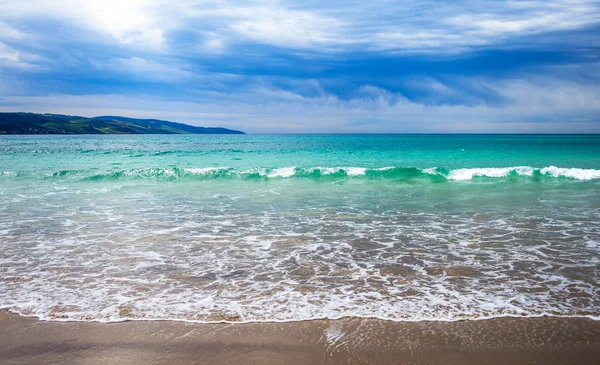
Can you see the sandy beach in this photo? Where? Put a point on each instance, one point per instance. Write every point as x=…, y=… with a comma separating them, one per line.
x=345, y=341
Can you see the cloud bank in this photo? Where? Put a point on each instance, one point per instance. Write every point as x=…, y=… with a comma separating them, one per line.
x=281, y=66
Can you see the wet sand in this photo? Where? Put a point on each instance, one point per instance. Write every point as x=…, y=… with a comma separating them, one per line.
x=346, y=341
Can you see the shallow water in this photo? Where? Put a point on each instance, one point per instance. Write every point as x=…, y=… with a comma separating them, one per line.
x=263, y=228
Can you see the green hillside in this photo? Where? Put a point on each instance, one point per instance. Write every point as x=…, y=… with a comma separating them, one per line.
x=31, y=123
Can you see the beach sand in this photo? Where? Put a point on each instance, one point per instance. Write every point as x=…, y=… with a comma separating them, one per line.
x=345, y=341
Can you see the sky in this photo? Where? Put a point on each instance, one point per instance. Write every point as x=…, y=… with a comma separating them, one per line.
x=309, y=66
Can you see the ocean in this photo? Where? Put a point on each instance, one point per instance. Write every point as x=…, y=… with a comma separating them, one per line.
x=244, y=228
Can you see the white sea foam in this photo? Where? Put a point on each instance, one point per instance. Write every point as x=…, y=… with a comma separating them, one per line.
x=270, y=251
x=460, y=174
x=275, y=266
x=328, y=170
x=468, y=174
x=574, y=173
x=283, y=172
x=355, y=171
x=204, y=170
x=431, y=171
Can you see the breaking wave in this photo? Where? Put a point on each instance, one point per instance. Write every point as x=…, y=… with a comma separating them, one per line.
x=433, y=174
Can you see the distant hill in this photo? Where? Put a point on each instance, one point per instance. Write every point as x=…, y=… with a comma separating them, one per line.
x=31, y=123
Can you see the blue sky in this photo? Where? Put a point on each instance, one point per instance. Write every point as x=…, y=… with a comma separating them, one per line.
x=309, y=67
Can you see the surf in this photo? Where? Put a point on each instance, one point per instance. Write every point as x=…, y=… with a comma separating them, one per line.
x=430, y=174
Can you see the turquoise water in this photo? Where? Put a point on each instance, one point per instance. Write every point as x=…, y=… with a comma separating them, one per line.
x=292, y=227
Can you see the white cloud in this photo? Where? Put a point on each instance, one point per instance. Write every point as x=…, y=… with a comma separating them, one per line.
x=9, y=33
x=212, y=44
x=528, y=18
x=129, y=22
x=283, y=27
x=13, y=58
x=8, y=54
x=407, y=26
x=147, y=69
x=464, y=26
x=536, y=104
x=138, y=39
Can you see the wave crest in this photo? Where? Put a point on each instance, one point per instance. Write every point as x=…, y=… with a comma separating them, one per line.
x=433, y=174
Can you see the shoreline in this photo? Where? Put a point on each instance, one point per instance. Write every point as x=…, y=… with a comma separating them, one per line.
x=275, y=321
x=547, y=340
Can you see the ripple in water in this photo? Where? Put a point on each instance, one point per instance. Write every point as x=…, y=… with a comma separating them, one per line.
x=224, y=259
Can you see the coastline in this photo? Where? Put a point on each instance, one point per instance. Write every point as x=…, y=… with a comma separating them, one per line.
x=552, y=340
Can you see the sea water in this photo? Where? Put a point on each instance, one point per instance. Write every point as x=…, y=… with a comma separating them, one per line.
x=295, y=227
